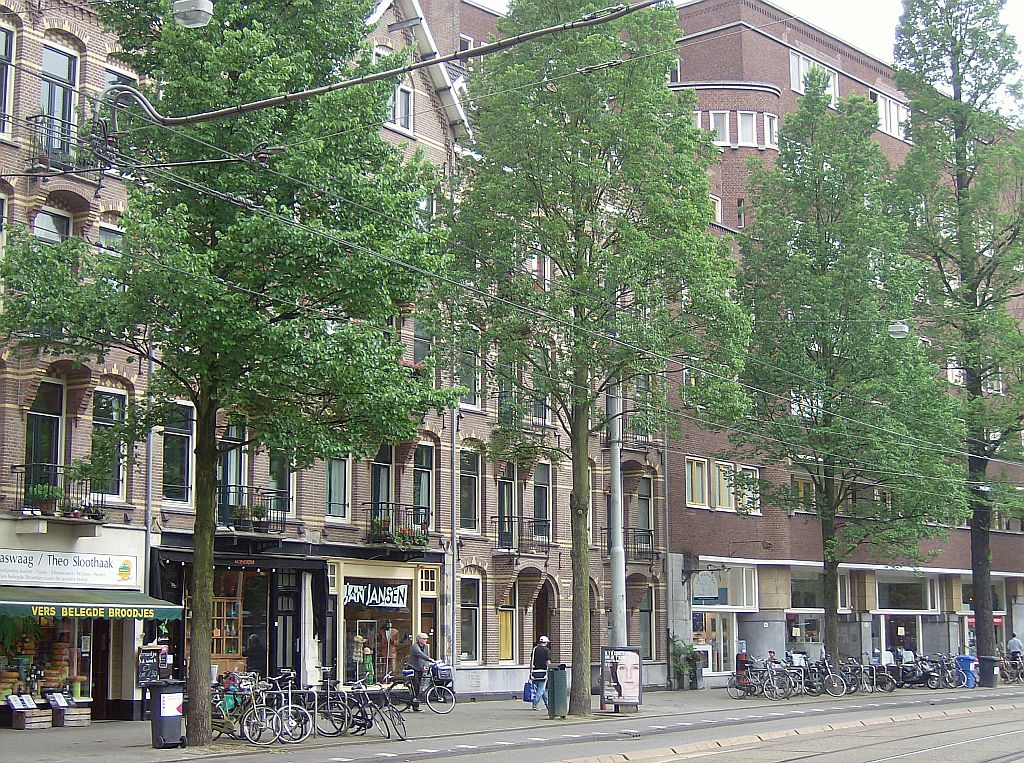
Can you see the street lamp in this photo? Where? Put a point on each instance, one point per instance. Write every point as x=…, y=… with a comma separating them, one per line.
x=899, y=330
x=192, y=14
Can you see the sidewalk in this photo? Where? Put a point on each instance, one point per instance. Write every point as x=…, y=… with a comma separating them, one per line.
x=129, y=741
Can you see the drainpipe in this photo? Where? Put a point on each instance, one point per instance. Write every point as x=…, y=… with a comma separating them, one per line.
x=665, y=535
x=452, y=544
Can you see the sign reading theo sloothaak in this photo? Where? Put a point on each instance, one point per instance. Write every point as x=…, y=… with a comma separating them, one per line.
x=68, y=570
x=385, y=595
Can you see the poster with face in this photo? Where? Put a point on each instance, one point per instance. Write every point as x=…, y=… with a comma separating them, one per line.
x=621, y=675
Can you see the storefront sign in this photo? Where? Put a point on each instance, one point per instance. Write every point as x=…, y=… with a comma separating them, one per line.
x=997, y=620
x=384, y=595
x=54, y=568
x=705, y=585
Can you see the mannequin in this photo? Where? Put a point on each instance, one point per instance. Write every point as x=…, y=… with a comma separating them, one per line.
x=387, y=647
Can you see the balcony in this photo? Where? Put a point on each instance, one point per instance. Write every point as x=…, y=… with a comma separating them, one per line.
x=252, y=509
x=54, y=143
x=52, y=492
x=398, y=525
x=637, y=542
x=525, y=535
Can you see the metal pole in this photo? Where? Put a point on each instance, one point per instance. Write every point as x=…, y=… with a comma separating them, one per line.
x=616, y=552
x=149, y=474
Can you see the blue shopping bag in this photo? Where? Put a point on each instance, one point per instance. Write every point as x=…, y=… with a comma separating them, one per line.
x=529, y=692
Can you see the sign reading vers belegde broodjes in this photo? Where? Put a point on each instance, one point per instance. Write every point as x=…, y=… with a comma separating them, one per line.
x=64, y=570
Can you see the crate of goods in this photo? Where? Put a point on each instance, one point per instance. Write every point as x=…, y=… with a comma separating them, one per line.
x=25, y=720
x=72, y=716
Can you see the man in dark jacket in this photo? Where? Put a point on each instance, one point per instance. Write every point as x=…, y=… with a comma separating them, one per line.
x=539, y=671
x=419, y=660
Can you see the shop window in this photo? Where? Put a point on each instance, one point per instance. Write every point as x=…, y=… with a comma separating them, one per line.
x=542, y=500
x=507, y=627
x=697, y=482
x=108, y=409
x=469, y=490
x=713, y=636
x=177, y=463
x=423, y=482
x=338, y=485
x=469, y=619
x=379, y=627
x=279, y=482
x=732, y=587
x=806, y=591
x=998, y=596
x=904, y=594
x=647, y=625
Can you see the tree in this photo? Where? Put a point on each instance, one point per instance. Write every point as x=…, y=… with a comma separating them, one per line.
x=583, y=226
x=263, y=301
x=863, y=417
x=963, y=182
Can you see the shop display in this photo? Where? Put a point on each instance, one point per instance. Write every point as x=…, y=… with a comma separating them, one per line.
x=43, y=658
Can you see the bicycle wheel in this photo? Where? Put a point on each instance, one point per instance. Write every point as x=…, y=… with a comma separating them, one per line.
x=772, y=690
x=400, y=695
x=397, y=721
x=218, y=722
x=295, y=724
x=886, y=683
x=332, y=717
x=734, y=688
x=441, y=699
x=834, y=685
x=260, y=726
x=379, y=722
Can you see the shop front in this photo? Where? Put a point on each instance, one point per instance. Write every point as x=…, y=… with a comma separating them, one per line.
x=968, y=637
x=375, y=611
x=268, y=610
x=906, y=604
x=719, y=593
x=72, y=621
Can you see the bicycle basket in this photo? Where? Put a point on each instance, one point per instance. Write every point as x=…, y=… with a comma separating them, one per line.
x=442, y=674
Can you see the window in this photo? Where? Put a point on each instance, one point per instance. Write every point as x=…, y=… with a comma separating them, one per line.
x=697, y=482
x=748, y=493
x=641, y=404
x=44, y=433
x=804, y=405
x=803, y=492
x=469, y=490
x=912, y=594
x=647, y=625
x=507, y=626
x=716, y=207
x=423, y=482
x=771, y=131
x=230, y=472
x=542, y=500
x=469, y=619
x=428, y=581
x=338, y=480
x=746, y=123
x=114, y=77
x=955, y=374
x=421, y=342
x=177, y=466
x=507, y=409
x=6, y=80
x=893, y=116
x=720, y=127
x=993, y=383
x=57, y=103
x=675, y=74
x=800, y=66
x=735, y=587
x=507, y=506
x=279, y=481
x=110, y=239
x=741, y=213
x=469, y=377
x=401, y=108
x=51, y=227
x=697, y=119
x=644, y=505
x=466, y=43
x=107, y=412
x=540, y=266
x=722, y=495
x=380, y=479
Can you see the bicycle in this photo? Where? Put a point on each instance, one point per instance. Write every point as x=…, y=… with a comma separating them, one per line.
x=435, y=689
x=294, y=723
x=326, y=705
x=365, y=714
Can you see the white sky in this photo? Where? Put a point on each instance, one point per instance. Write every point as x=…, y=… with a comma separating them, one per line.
x=866, y=24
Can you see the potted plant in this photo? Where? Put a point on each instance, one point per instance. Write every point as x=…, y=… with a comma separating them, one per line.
x=241, y=517
x=71, y=510
x=44, y=497
x=259, y=517
x=686, y=662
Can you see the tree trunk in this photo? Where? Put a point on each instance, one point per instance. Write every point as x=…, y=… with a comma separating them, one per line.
x=830, y=562
x=981, y=573
x=579, y=504
x=201, y=590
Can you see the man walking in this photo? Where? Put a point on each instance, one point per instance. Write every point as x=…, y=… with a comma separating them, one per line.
x=419, y=660
x=1014, y=646
x=539, y=671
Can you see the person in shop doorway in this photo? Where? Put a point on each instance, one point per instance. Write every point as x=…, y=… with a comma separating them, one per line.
x=419, y=661
x=255, y=654
x=539, y=664
x=387, y=648
x=1014, y=647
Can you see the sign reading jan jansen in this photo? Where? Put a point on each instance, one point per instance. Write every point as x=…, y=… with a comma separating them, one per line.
x=64, y=570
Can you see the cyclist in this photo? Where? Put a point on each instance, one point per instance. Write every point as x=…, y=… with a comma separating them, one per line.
x=419, y=660
x=1014, y=646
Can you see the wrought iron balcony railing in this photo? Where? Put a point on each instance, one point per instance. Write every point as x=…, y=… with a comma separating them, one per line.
x=397, y=524
x=54, y=142
x=637, y=542
x=252, y=509
x=526, y=535
x=54, y=490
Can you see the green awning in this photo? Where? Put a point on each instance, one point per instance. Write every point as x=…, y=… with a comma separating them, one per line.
x=26, y=601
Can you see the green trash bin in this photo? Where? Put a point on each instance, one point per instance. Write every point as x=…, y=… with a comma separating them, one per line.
x=558, y=691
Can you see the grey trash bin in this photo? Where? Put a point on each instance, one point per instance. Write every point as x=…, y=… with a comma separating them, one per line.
x=558, y=691
x=166, y=703
x=988, y=671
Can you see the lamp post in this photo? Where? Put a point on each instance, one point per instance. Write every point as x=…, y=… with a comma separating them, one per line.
x=616, y=551
x=899, y=329
x=192, y=14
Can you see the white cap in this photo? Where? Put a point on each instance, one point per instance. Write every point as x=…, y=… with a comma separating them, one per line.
x=545, y=640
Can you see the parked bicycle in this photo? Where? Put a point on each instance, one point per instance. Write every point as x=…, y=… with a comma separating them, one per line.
x=435, y=689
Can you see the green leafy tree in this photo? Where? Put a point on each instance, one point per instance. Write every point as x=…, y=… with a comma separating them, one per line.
x=863, y=418
x=965, y=210
x=264, y=302
x=583, y=223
